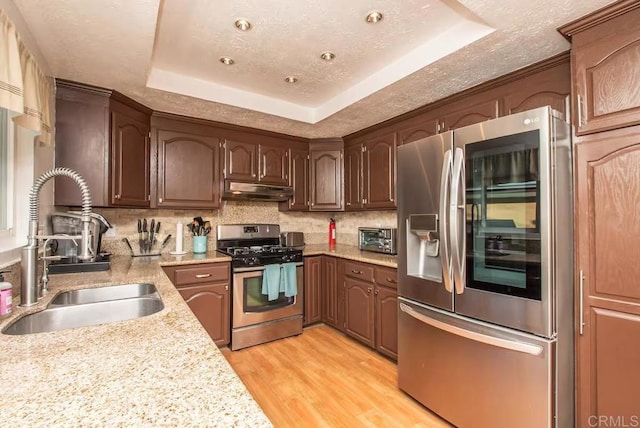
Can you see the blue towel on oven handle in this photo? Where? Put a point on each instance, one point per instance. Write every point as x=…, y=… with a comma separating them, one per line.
x=271, y=281
x=289, y=279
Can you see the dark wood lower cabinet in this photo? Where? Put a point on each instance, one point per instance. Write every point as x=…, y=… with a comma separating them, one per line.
x=210, y=303
x=312, y=290
x=330, y=292
x=359, y=310
x=387, y=321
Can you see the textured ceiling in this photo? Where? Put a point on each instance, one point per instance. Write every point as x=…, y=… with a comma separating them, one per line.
x=110, y=43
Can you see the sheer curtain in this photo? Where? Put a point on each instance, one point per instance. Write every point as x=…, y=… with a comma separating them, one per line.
x=23, y=86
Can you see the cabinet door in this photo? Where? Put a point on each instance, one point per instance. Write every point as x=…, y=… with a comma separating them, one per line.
x=359, y=310
x=130, y=161
x=187, y=170
x=379, y=172
x=470, y=115
x=387, y=321
x=608, y=227
x=240, y=161
x=550, y=87
x=312, y=290
x=605, y=61
x=419, y=129
x=299, y=180
x=330, y=296
x=273, y=165
x=326, y=180
x=353, y=177
x=210, y=304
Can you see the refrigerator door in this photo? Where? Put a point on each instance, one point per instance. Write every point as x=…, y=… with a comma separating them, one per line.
x=502, y=220
x=473, y=374
x=424, y=259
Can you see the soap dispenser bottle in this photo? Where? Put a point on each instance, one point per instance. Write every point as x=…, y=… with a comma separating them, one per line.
x=5, y=297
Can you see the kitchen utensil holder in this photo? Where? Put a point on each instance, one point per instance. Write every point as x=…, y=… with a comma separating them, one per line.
x=200, y=244
x=140, y=249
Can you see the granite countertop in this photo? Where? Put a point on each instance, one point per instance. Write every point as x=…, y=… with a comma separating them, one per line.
x=351, y=252
x=162, y=369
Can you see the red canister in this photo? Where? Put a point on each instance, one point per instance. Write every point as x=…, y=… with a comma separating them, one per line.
x=332, y=232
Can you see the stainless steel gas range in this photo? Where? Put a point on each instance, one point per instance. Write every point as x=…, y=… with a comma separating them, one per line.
x=255, y=318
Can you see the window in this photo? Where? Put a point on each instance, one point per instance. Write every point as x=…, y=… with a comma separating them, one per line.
x=6, y=175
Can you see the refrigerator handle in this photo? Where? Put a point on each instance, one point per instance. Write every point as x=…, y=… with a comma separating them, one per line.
x=456, y=213
x=445, y=257
x=512, y=345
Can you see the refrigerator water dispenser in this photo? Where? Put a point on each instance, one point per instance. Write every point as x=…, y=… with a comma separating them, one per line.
x=423, y=247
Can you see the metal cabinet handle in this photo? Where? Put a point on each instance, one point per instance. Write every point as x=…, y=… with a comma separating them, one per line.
x=117, y=196
x=357, y=272
x=226, y=288
x=579, y=113
x=391, y=280
x=159, y=200
x=375, y=292
x=581, y=298
x=203, y=275
x=368, y=290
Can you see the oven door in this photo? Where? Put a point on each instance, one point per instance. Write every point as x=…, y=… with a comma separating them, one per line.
x=251, y=307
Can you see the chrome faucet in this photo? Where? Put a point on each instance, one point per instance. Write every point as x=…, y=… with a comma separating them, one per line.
x=30, y=287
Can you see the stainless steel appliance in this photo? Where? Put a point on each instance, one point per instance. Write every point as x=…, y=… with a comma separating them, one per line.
x=255, y=319
x=292, y=239
x=485, y=272
x=255, y=191
x=378, y=239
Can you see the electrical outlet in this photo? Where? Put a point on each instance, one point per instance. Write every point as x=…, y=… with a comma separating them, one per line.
x=111, y=232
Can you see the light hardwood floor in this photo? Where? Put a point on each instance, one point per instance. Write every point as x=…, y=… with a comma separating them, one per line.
x=323, y=378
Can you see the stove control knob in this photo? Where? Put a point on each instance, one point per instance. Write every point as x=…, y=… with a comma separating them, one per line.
x=254, y=261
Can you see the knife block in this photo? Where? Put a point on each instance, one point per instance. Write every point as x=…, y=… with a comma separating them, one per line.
x=143, y=248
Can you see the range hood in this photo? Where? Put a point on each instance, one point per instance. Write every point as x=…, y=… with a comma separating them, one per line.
x=254, y=191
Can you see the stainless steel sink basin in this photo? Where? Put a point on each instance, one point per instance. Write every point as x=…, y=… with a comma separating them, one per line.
x=62, y=317
x=103, y=294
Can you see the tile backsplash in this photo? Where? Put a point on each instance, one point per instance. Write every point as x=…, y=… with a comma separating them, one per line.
x=314, y=225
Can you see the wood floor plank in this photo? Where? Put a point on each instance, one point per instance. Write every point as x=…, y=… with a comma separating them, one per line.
x=323, y=378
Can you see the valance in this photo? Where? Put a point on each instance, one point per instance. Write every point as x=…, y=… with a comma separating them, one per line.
x=23, y=86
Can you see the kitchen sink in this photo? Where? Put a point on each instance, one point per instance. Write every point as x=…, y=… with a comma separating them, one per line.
x=103, y=294
x=83, y=312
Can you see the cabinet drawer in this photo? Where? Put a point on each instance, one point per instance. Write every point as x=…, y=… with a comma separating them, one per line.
x=359, y=270
x=387, y=277
x=201, y=273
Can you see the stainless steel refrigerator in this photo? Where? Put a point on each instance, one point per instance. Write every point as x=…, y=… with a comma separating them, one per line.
x=485, y=272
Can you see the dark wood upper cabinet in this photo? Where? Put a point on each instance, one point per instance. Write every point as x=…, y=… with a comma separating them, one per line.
x=187, y=165
x=104, y=136
x=605, y=58
x=299, y=180
x=607, y=245
x=240, y=160
x=312, y=290
x=326, y=169
x=353, y=177
x=470, y=115
x=416, y=129
x=273, y=164
x=379, y=172
x=130, y=161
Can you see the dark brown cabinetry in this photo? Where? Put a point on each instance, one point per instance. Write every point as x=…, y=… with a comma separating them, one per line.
x=353, y=177
x=326, y=169
x=240, y=161
x=299, y=180
x=312, y=290
x=359, y=309
x=273, y=165
x=386, y=298
x=331, y=293
x=187, y=165
x=416, y=129
x=104, y=136
x=605, y=58
x=205, y=288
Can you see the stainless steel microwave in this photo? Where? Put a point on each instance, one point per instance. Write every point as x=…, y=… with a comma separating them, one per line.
x=376, y=239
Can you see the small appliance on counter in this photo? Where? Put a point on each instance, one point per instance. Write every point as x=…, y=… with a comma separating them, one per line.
x=292, y=239
x=378, y=239
x=70, y=224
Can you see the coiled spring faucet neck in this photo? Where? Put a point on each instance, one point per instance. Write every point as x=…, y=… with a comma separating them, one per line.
x=29, y=291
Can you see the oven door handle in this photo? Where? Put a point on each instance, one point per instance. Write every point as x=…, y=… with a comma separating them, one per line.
x=256, y=268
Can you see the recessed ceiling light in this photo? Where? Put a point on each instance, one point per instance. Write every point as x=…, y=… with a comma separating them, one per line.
x=374, y=17
x=243, y=25
x=226, y=60
x=327, y=56
x=290, y=79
